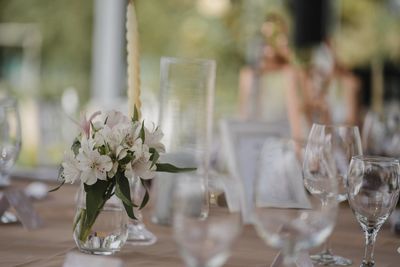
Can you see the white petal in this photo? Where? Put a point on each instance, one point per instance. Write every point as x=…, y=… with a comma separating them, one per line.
x=88, y=177
x=128, y=171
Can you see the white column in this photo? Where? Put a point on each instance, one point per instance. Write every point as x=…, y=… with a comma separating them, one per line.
x=108, y=59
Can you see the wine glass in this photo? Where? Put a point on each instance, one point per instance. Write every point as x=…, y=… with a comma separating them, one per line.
x=286, y=217
x=340, y=143
x=10, y=137
x=205, y=241
x=373, y=191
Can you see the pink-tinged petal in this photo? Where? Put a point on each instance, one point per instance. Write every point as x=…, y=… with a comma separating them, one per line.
x=85, y=124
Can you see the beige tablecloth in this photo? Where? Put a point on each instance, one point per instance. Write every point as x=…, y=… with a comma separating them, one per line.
x=47, y=246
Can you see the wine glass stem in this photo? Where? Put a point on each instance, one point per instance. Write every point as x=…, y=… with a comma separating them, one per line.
x=370, y=237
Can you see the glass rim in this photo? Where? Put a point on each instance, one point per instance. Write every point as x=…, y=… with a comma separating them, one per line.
x=177, y=60
x=335, y=125
x=376, y=159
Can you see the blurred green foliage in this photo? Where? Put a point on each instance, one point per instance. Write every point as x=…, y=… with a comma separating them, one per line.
x=176, y=28
x=66, y=28
x=368, y=28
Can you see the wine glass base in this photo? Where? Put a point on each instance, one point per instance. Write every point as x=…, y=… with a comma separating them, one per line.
x=326, y=259
x=138, y=235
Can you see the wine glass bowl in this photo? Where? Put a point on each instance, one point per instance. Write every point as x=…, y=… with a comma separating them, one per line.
x=286, y=217
x=373, y=191
x=10, y=137
x=204, y=241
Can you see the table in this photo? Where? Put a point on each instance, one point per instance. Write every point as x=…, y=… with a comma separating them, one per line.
x=48, y=246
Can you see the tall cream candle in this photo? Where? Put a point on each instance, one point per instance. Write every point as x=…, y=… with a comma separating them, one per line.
x=133, y=67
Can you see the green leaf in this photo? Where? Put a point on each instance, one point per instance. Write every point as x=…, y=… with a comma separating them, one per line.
x=154, y=157
x=142, y=134
x=126, y=160
x=123, y=192
x=58, y=187
x=95, y=199
x=103, y=150
x=166, y=167
x=146, y=195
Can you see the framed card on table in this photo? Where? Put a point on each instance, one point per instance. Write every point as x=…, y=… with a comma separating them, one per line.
x=242, y=143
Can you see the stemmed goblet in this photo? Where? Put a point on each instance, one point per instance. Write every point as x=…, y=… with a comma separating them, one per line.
x=204, y=241
x=373, y=191
x=285, y=216
x=10, y=137
x=340, y=143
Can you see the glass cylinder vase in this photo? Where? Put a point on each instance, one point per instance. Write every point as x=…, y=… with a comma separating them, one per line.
x=187, y=89
x=109, y=232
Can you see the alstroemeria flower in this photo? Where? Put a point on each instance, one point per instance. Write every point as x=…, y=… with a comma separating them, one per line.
x=132, y=135
x=71, y=168
x=153, y=139
x=141, y=166
x=113, y=138
x=93, y=165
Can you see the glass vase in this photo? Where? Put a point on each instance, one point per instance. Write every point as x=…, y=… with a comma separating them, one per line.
x=187, y=89
x=109, y=232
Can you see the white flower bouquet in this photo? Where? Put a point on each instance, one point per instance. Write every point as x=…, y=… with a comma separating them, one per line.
x=110, y=150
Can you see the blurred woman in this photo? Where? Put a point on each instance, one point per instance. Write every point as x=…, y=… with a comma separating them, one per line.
x=291, y=95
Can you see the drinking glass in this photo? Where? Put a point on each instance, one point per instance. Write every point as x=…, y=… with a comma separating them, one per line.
x=373, y=191
x=186, y=115
x=286, y=217
x=340, y=143
x=205, y=241
x=10, y=137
